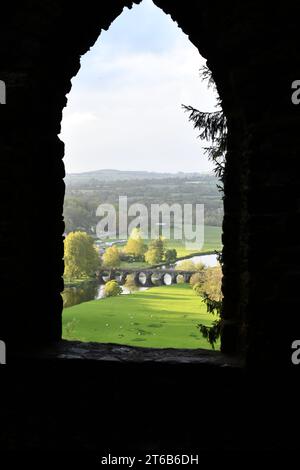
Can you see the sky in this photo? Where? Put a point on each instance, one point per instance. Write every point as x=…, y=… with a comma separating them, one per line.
x=124, y=109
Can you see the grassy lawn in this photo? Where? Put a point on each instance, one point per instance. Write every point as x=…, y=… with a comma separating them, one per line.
x=160, y=317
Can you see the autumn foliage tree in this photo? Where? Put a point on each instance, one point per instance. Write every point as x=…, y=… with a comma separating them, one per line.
x=135, y=245
x=130, y=283
x=212, y=284
x=210, y=289
x=111, y=257
x=80, y=255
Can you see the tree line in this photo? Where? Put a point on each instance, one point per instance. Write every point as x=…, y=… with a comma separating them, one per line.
x=81, y=201
x=82, y=257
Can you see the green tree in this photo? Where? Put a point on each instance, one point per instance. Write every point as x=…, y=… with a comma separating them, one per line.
x=155, y=252
x=111, y=257
x=152, y=256
x=130, y=283
x=213, y=128
x=112, y=289
x=211, y=292
x=76, y=215
x=135, y=244
x=80, y=255
x=170, y=256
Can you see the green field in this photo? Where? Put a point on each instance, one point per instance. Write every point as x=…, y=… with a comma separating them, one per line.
x=134, y=265
x=161, y=317
x=212, y=242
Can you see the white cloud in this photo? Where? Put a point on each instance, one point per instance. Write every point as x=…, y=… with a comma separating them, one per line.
x=124, y=111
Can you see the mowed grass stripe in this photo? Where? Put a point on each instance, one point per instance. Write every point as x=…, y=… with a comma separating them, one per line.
x=161, y=317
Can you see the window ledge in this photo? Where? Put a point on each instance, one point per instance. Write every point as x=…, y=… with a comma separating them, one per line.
x=116, y=353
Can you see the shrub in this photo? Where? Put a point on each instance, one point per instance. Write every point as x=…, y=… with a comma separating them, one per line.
x=112, y=289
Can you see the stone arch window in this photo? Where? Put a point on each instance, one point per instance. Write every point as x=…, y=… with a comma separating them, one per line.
x=177, y=74
x=87, y=141
x=51, y=68
x=245, y=62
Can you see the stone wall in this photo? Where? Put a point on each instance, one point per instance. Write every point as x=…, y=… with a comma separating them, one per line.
x=251, y=49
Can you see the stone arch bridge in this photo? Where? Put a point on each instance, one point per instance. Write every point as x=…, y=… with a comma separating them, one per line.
x=145, y=277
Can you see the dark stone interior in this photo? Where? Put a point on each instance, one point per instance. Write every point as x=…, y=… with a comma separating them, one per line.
x=253, y=54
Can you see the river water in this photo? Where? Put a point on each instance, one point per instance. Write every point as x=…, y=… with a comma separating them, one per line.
x=208, y=260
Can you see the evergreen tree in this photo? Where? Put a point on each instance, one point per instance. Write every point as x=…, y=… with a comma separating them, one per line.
x=212, y=127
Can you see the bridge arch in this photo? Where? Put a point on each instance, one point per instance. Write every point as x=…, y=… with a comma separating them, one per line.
x=156, y=278
x=104, y=276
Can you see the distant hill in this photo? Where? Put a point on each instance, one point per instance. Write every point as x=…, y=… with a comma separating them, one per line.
x=118, y=175
x=85, y=191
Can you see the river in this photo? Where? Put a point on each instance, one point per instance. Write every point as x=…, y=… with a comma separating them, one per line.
x=208, y=260
x=92, y=290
